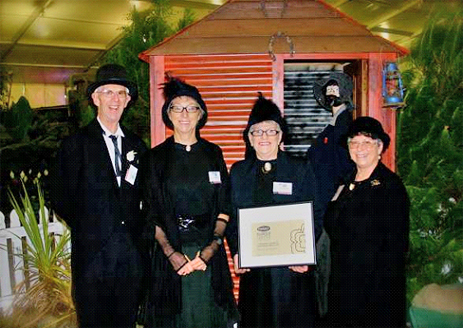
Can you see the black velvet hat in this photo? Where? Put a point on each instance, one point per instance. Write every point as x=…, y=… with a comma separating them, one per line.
x=265, y=110
x=344, y=82
x=113, y=74
x=369, y=126
x=174, y=88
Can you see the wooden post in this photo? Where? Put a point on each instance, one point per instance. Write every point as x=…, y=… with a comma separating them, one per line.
x=278, y=74
x=158, y=129
x=386, y=116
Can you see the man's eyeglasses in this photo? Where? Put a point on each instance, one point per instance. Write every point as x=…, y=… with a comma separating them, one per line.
x=368, y=144
x=110, y=93
x=260, y=133
x=180, y=109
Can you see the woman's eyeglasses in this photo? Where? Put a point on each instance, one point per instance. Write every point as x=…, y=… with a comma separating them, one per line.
x=180, y=109
x=260, y=133
x=368, y=144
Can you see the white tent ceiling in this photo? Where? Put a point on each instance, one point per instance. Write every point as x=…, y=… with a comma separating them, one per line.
x=45, y=41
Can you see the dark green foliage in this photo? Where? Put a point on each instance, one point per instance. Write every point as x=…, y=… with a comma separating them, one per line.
x=17, y=121
x=83, y=113
x=86, y=115
x=31, y=154
x=187, y=19
x=430, y=152
x=147, y=29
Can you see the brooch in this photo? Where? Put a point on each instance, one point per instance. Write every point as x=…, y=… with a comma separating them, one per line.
x=375, y=183
x=267, y=167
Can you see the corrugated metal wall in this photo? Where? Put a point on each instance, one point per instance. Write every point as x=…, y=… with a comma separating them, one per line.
x=304, y=116
x=229, y=86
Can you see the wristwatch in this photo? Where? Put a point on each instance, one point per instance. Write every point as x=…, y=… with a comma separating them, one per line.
x=218, y=239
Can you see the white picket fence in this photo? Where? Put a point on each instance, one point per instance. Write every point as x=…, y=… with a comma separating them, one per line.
x=12, y=243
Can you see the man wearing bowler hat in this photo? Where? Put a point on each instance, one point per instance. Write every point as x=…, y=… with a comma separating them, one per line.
x=95, y=190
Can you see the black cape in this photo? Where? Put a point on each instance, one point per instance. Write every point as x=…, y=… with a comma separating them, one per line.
x=368, y=227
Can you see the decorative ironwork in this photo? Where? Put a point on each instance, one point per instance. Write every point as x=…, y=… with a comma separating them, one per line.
x=272, y=41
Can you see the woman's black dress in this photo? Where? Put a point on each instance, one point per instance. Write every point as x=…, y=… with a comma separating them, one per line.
x=186, y=190
x=276, y=296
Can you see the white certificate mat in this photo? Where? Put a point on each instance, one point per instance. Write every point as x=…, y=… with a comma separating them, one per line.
x=281, y=235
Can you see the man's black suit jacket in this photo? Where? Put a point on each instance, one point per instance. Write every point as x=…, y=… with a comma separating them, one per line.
x=85, y=194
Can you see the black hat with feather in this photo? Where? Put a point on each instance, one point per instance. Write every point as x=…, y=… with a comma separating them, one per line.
x=174, y=88
x=263, y=110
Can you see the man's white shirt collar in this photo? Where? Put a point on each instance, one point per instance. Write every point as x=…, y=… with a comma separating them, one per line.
x=119, y=132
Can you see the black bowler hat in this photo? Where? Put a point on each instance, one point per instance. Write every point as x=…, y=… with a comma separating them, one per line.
x=174, y=88
x=113, y=74
x=369, y=126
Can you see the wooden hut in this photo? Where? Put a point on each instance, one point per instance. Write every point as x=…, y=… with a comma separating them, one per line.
x=278, y=48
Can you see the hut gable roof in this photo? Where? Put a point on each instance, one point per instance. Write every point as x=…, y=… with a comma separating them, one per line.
x=247, y=26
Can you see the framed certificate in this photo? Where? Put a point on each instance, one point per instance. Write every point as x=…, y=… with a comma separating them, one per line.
x=280, y=235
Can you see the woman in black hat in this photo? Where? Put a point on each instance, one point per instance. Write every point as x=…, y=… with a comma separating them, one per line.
x=272, y=296
x=186, y=191
x=367, y=222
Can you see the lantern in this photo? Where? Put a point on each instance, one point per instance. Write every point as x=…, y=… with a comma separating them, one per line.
x=393, y=92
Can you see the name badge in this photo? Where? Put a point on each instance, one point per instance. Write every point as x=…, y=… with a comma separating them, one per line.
x=131, y=174
x=283, y=188
x=214, y=177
